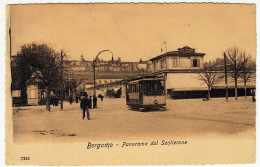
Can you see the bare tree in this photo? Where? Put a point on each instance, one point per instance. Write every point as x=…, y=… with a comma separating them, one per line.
x=236, y=60
x=247, y=71
x=210, y=75
x=73, y=84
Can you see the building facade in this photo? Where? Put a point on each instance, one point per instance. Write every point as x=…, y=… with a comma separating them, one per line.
x=181, y=71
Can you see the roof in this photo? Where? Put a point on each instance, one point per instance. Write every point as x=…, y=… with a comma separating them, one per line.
x=145, y=77
x=182, y=52
x=36, y=78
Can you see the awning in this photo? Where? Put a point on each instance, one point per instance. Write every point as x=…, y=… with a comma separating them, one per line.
x=191, y=82
x=117, y=89
x=184, y=82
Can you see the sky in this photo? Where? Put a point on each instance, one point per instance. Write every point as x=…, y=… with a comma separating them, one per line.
x=135, y=31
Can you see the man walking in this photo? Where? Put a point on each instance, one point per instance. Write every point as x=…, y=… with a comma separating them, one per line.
x=84, y=105
x=94, y=101
x=90, y=102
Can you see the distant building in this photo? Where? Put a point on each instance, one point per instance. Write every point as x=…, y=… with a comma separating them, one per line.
x=115, y=85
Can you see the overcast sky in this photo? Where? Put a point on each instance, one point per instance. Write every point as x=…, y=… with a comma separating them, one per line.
x=135, y=31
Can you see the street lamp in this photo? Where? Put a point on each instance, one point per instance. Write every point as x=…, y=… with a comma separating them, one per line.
x=94, y=66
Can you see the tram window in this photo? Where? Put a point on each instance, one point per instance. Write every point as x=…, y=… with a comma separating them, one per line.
x=154, y=88
x=141, y=87
x=130, y=89
x=134, y=88
x=148, y=88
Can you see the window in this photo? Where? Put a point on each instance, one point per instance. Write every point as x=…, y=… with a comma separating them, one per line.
x=154, y=88
x=154, y=65
x=137, y=88
x=174, y=62
x=195, y=63
x=129, y=89
x=162, y=63
x=42, y=94
x=133, y=88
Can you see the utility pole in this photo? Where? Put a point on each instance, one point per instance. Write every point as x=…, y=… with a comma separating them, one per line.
x=165, y=46
x=94, y=70
x=165, y=55
x=94, y=66
x=10, y=42
x=10, y=34
x=62, y=86
x=225, y=62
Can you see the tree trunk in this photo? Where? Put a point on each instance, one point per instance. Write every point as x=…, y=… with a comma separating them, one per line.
x=48, y=106
x=208, y=92
x=61, y=97
x=235, y=88
x=75, y=93
x=245, y=89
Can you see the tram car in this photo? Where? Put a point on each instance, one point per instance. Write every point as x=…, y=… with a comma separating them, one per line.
x=146, y=92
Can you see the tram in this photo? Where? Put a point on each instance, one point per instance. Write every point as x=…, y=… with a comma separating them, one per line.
x=146, y=92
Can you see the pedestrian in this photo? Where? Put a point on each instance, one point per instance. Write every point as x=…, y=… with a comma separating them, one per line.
x=77, y=98
x=101, y=97
x=253, y=95
x=84, y=105
x=70, y=99
x=52, y=100
x=94, y=101
x=90, y=101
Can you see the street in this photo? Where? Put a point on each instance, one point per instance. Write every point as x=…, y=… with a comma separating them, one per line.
x=112, y=120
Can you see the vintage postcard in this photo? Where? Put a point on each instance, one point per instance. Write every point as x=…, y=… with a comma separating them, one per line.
x=130, y=84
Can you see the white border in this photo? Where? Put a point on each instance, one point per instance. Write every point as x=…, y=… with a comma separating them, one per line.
x=3, y=4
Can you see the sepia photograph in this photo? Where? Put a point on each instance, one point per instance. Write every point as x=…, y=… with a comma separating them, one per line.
x=130, y=84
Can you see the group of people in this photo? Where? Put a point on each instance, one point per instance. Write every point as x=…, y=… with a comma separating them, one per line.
x=94, y=101
x=86, y=105
x=54, y=101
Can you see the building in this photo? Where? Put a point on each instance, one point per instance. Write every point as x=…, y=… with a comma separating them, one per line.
x=184, y=59
x=36, y=94
x=181, y=70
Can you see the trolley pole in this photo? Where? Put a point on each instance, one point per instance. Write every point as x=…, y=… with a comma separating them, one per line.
x=225, y=62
